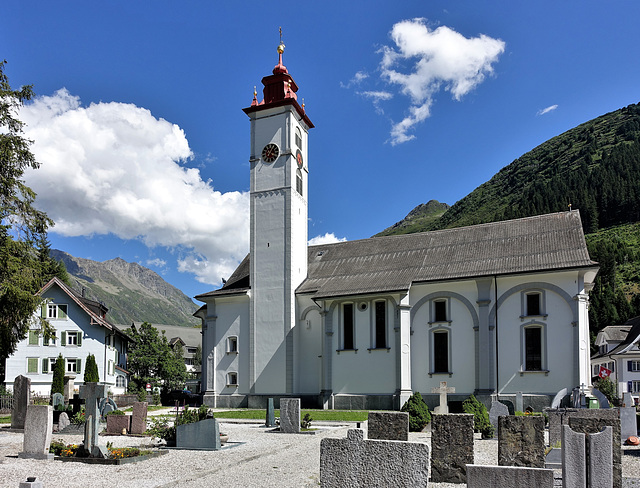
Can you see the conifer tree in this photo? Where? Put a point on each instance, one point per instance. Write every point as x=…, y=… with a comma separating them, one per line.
x=57, y=385
x=91, y=374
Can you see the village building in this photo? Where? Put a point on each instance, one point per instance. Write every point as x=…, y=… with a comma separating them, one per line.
x=618, y=357
x=492, y=308
x=81, y=328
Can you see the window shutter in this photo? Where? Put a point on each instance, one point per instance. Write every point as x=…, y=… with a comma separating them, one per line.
x=78, y=366
x=43, y=310
x=630, y=386
x=63, y=338
x=629, y=367
x=79, y=336
x=45, y=365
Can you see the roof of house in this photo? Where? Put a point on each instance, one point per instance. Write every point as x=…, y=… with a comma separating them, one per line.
x=393, y=263
x=632, y=337
x=96, y=310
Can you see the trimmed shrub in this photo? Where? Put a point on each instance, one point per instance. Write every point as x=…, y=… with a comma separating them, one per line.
x=57, y=385
x=419, y=415
x=91, y=374
x=480, y=413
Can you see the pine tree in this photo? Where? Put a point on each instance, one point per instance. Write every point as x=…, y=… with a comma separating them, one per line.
x=57, y=385
x=91, y=374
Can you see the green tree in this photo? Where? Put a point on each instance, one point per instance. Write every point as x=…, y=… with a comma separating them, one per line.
x=480, y=415
x=22, y=226
x=151, y=359
x=91, y=374
x=57, y=385
x=419, y=415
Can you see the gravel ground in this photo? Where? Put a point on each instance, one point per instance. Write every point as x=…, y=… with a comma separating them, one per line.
x=256, y=457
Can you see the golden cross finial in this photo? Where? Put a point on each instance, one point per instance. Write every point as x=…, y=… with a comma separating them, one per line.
x=280, y=35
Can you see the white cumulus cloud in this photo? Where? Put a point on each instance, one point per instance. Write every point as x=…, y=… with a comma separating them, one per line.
x=113, y=168
x=424, y=61
x=550, y=108
x=328, y=238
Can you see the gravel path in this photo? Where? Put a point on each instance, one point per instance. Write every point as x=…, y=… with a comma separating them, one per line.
x=256, y=457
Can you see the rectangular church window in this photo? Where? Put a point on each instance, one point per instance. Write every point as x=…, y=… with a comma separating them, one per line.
x=440, y=310
x=533, y=304
x=441, y=352
x=347, y=326
x=381, y=324
x=533, y=348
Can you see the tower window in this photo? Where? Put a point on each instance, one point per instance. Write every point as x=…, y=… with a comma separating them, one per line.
x=299, y=181
x=232, y=379
x=298, y=137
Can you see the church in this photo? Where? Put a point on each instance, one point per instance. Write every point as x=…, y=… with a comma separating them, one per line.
x=497, y=308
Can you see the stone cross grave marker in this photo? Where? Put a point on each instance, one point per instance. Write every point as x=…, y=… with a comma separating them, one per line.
x=443, y=390
x=92, y=393
x=76, y=402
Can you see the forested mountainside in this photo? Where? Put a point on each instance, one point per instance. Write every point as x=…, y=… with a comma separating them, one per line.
x=131, y=292
x=595, y=168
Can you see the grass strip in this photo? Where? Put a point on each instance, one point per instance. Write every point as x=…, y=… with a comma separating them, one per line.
x=318, y=415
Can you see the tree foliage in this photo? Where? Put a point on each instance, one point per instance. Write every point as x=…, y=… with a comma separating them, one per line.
x=57, y=385
x=609, y=389
x=91, y=374
x=151, y=359
x=419, y=415
x=25, y=265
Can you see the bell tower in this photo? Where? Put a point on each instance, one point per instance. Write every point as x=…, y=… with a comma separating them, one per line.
x=279, y=233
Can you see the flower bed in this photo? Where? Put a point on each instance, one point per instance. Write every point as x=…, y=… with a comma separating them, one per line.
x=117, y=455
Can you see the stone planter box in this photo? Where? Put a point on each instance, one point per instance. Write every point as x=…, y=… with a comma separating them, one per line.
x=115, y=423
x=204, y=435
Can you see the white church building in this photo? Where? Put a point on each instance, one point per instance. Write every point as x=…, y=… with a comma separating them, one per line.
x=492, y=308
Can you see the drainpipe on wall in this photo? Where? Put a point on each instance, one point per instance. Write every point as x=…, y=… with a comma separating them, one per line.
x=495, y=286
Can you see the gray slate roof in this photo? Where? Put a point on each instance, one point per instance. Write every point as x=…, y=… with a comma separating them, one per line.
x=392, y=263
x=632, y=337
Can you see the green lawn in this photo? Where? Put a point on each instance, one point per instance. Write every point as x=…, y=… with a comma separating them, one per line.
x=338, y=415
x=5, y=419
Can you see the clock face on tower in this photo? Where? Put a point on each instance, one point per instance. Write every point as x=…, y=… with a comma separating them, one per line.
x=270, y=153
x=299, y=158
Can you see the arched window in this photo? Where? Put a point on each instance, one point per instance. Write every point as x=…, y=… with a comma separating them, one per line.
x=534, y=347
x=120, y=382
x=298, y=137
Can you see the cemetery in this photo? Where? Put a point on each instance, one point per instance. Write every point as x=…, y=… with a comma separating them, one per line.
x=566, y=445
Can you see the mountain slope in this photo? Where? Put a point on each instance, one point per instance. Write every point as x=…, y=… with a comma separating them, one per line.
x=132, y=292
x=595, y=167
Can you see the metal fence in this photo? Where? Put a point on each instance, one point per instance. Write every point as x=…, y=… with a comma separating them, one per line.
x=6, y=403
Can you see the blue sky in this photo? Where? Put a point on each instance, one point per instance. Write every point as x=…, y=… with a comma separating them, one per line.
x=144, y=147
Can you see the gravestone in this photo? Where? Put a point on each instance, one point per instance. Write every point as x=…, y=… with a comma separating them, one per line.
x=508, y=476
x=58, y=399
x=116, y=424
x=519, y=402
x=21, y=399
x=627, y=400
x=37, y=432
x=451, y=447
x=521, y=441
x=602, y=400
x=587, y=464
x=69, y=387
x=106, y=405
x=561, y=416
x=357, y=462
x=290, y=415
x=557, y=400
x=203, y=435
x=270, y=419
x=442, y=390
x=32, y=482
x=76, y=403
x=92, y=393
x=628, y=425
x=593, y=425
x=63, y=421
x=498, y=409
x=139, y=418
x=390, y=426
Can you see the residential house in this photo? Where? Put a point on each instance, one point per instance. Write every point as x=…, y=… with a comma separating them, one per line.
x=81, y=328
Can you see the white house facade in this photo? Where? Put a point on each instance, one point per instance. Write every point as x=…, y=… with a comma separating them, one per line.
x=618, y=356
x=81, y=328
x=492, y=308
